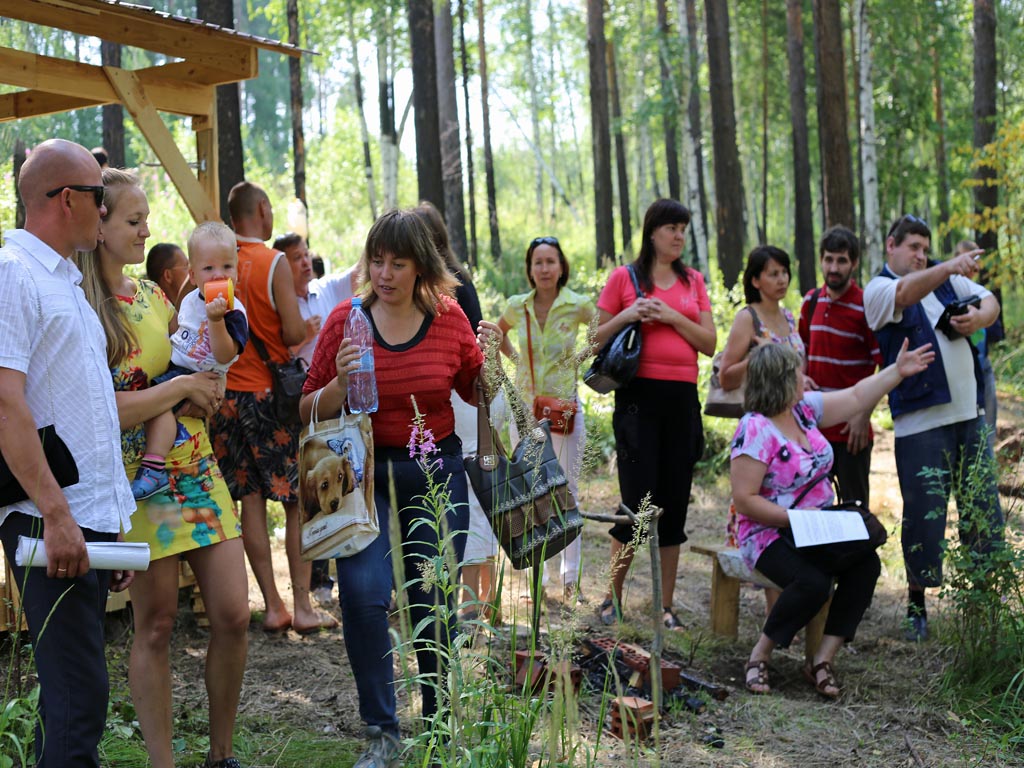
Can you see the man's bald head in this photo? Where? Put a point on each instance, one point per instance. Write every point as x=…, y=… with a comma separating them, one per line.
x=244, y=200
x=52, y=163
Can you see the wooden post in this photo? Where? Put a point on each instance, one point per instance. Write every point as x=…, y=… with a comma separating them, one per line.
x=205, y=128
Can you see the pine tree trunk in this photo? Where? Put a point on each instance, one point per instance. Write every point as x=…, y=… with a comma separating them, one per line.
x=604, y=223
x=668, y=104
x=424, y=98
x=230, y=158
x=295, y=91
x=873, y=246
x=986, y=194
x=364, y=131
x=471, y=177
x=834, y=141
x=386, y=107
x=803, y=225
x=113, y=114
x=728, y=173
x=693, y=139
x=941, y=169
x=448, y=125
x=492, y=195
x=625, y=214
x=762, y=231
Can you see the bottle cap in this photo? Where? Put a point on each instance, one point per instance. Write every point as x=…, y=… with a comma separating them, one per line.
x=357, y=301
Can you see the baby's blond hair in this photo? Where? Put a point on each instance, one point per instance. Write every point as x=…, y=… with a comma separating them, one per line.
x=215, y=233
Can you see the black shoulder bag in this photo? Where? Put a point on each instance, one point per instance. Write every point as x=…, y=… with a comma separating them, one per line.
x=617, y=362
x=287, y=380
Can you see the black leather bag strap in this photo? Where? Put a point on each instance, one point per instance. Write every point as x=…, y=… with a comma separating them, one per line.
x=808, y=488
x=636, y=282
x=260, y=349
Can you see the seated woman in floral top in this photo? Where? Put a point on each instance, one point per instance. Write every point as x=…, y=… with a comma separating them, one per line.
x=779, y=456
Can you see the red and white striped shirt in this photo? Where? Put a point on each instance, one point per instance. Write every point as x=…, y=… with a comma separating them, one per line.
x=841, y=348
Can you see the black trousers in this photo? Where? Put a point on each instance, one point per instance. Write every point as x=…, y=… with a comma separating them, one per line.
x=805, y=576
x=69, y=654
x=851, y=472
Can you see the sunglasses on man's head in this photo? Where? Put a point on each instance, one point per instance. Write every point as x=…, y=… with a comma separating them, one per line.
x=97, y=191
x=544, y=241
x=907, y=218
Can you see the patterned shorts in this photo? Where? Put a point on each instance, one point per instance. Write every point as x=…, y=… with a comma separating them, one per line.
x=256, y=453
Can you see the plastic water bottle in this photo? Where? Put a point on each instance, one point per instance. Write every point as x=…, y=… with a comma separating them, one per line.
x=362, y=383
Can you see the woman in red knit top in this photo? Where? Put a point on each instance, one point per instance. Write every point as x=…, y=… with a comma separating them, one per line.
x=423, y=348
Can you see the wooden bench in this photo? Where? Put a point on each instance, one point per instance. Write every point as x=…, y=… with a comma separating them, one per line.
x=727, y=571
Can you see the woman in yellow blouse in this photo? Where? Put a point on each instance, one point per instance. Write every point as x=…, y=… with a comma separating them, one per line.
x=546, y=321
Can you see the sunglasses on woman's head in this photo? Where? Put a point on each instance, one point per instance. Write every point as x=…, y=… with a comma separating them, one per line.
x=544, y=241
x=97, y=191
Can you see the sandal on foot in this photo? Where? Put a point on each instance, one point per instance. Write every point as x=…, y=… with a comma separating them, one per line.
x=829, y=681
x=609, y=612
x=761, y=679
x=671, y=621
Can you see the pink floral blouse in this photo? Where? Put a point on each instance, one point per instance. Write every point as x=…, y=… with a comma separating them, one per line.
x=790, y=468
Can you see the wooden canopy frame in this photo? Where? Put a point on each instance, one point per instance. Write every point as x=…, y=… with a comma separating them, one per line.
x=206, y=56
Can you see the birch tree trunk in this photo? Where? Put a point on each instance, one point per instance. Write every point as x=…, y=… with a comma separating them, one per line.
x=448, y=125
x=986, y=194
x=386, y=106
x=531, y=84
x=693, y=142
x=492, y=196
x=869, y=161
x=941, y=168
x=357, y=85
x=668, y=104
x=471, y=177
x=803, y=225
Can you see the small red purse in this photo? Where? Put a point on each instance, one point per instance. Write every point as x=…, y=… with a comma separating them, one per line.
x=559, y=411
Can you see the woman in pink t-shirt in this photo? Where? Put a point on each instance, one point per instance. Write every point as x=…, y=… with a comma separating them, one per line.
x=658, y=432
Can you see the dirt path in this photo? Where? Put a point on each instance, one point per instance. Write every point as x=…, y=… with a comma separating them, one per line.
x=889, y=715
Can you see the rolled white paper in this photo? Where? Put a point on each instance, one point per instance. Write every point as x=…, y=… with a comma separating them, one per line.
x=103, y=555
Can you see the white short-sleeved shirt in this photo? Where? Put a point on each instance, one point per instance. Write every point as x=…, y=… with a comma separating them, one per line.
x=957, y=358
x=63, y=354
x=325, y=293
x=190, y=343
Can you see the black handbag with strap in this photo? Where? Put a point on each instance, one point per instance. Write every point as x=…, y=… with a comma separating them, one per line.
x=618, y=361
x=287, y=381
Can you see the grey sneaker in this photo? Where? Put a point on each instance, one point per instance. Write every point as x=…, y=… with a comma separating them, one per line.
x=382, y=751
x=325, y=595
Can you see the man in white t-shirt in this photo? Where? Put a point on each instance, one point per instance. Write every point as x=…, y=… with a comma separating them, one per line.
x=317, y=297
x=940, y=437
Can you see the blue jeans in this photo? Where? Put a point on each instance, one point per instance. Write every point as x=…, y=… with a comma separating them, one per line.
x=966, y=467
x=365, y=581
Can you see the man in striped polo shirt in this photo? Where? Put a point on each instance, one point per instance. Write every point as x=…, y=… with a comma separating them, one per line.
x=841, y=350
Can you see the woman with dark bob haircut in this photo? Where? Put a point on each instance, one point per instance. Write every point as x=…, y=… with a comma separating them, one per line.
x=423, y=348
x=764, y=319
x=658, y=431
x=780, y=458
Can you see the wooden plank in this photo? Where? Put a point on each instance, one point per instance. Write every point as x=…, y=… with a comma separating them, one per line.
x=207, y=154
x=196, y=43
x=170, y=88
x=725, y=602
x=133, y=96
x=15, y=106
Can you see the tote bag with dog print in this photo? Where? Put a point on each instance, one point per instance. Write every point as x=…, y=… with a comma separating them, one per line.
x=336, y=505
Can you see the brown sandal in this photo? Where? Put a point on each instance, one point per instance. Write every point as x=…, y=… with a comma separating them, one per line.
x=761, y=679
x=829, y=681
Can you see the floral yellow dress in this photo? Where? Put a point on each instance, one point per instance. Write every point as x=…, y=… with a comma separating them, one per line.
x=196, y=510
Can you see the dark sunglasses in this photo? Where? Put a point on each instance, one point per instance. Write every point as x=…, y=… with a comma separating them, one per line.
x=544, y=241
x=97, y=191
x=907, y=218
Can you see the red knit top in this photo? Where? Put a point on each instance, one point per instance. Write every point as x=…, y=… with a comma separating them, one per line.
x=443, y=355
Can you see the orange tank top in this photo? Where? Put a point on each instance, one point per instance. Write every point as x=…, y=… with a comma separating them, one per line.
x=256, y=263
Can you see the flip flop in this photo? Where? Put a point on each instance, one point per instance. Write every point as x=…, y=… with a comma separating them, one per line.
x=671, y=621
x=609, y=612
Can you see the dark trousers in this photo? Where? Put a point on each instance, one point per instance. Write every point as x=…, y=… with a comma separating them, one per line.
x=365, y=581
x=659, y=437
x=69, y=654
x=851, y=472
x=805, y=576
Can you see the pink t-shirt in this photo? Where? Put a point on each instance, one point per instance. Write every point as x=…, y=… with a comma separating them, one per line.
x=664, y=354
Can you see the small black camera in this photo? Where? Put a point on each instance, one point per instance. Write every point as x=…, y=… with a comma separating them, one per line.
x=954, y=308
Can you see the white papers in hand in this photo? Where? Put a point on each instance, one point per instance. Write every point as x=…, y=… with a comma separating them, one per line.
x=103, y=555
x=825, y=526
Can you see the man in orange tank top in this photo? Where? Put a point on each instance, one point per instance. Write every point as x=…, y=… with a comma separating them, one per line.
x=256, y=452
